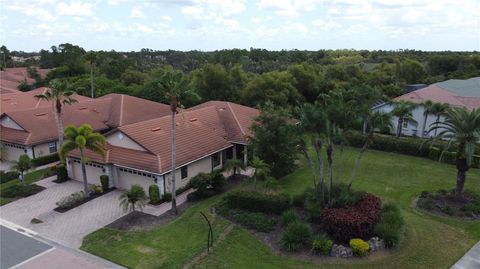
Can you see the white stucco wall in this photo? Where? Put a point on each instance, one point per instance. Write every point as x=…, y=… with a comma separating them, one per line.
x=8, y=122
x=42, y=150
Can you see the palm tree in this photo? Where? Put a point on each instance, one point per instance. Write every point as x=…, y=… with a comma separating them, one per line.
x=439, y=109
x=82, y=138
x=134, y=197
x=175, y=88
x=60, y=96
x=22, y=165
x=427, y=109
x=235, y=165
x=259, y=166
x=376, y=120
x=463, y=127
x=91, y=58
x=403, y=111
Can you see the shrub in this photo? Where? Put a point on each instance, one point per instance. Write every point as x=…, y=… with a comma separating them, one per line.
x=471, y=208
x=258, y=202
x=71, y=200
x=194, y=196
x=353, y=221
x=426, y=203
x=62, y=173
x=257, y=221
x=434, y=153
x=45, y=160
x=182, y=189
x=289, y=216
x=321, y=245
x=8, y=176
x=271, y=183
x=342, y=196
x=167, y=197
x=296, y=236
x=359, y=247
x=20, y=190
x=200, y=182
x=217, y=180
x=154, y=194
x=390, y=225
x=94, y=189
x=104, y=181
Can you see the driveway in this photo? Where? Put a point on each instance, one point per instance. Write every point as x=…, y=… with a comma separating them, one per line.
x=67, y=228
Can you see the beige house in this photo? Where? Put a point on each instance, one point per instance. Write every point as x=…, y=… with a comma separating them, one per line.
x=140, y=153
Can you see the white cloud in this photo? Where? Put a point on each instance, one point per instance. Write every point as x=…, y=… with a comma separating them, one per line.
x=33, y=11
x=75, y=8
x=326, y=25
x=289, y=8
x=167, y=18
x=136, y=13
x=192, y=10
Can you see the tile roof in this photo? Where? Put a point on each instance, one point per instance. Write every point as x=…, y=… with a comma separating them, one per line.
x=10, y=78
x=200, y=131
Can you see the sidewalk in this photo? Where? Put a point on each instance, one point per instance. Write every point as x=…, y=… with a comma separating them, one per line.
x=164, y=207
x=471, y=259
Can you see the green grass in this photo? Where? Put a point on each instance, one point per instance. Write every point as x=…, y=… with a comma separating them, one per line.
x=430, y=241
x=29, y=178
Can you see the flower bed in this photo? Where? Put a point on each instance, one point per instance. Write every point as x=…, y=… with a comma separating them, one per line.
x=77, y=199
x=445, y=203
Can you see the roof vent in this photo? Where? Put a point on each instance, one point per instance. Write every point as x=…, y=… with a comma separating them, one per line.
x=222, y=109
x=95, y=110
x=6, y=99
x=193, y=119
x=82, y=108
x=156, y=129
x=41, y=114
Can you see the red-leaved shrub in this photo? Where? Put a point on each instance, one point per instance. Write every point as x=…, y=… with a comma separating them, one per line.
x=356, y=221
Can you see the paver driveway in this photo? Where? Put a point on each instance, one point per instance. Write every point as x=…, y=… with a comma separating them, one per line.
x=67, y=228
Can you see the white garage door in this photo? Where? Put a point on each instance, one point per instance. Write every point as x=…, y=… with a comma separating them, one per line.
x=94, y=171
x=128, y=178
x=14, y=151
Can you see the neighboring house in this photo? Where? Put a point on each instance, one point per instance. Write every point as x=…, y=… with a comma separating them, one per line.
x=454, y=92
x=33, y=131
x=206, y=136
x=10, y=78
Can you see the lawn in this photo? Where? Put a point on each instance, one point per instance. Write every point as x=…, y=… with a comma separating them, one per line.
x=29, y=178
x=430, y=241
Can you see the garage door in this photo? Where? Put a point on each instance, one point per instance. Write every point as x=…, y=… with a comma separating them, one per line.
x=13, y=151
x=94, y=171
x=126, y=179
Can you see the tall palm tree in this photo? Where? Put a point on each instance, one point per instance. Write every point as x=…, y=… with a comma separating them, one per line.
x=439, y=109
x=403, y=111
x=463, y=127
x=376, y=120
x=58, y=94
x=91, y=58
x=427, y=110
x=82, y=138
x=175, y=87
x=259, y=166
x=134, y=197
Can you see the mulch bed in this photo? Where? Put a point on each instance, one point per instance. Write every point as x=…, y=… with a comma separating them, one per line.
x=448, y=205
x=88, y=199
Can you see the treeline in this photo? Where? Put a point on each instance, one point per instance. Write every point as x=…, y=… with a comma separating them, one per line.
x=255, y=76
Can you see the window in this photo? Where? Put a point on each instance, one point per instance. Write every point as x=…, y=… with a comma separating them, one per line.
x=216, y=159
x=184, y=171
x=405, y=124
x=52, y=147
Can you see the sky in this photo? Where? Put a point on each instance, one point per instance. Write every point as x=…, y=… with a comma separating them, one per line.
x=126, y=25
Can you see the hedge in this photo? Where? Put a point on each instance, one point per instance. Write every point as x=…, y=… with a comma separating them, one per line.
x=258, y=202
x=62, y=173
x=45, y=160
x=8, y=176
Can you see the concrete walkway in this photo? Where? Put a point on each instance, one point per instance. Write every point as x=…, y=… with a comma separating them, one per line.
x=471, y=260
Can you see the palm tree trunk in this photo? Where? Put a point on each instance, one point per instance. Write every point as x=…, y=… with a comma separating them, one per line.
x=399, y=127
x=357, y=163
x=461, y=176
x=174, y=195
x=436, y=125
x=462, y=168
x=330, y=171
x=59, y=123
x=310, y=163
x=425, y=116
x=318, y=150
x=255, y=180
x=91, y=80
x=84, y=174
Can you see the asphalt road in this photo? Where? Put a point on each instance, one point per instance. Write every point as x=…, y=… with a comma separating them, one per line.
x=16, y=247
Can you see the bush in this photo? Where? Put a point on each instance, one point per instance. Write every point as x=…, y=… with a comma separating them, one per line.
x=62, y=173
x=217, y=180
x=154, y=194
x=182, y=189
x=359, y=247
x=45, y=160
x=194, y=196
x=354, y=221
x=434, y=153
x=289, y=216
x=104, y=181
x=258, y=202
x=167, y=197
x=471, y=208
x=321, y=245
x=296, y=236
x=390, y=225
x=271, y=183
x=8, y=176
x=257, y=221
x=20, y=190
x=94, y=189
x=342, y=196
x=71, y=200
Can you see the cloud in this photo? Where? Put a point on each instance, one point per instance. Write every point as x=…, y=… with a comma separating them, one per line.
x=33, y=11
x=136, y=13
x=289, y=8
x=192, y=10
x=75, y=8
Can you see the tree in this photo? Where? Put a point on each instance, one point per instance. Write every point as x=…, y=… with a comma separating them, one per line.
x=134, y=197
x=411, y=71
x=235, y=165
x=175, y=88
x=439, y=109
x=82, y=138
x=403, y=111
x=427, y=109
x=259, y=166
x=212, y=82
x=22, y=165
x=91, y=58
x=58, y=94
x=275, y=140
x=463, y=127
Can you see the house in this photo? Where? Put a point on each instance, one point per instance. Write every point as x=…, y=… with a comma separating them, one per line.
x=454, y=92
x=10, y=78
x=140, y=153
x=33, y=130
